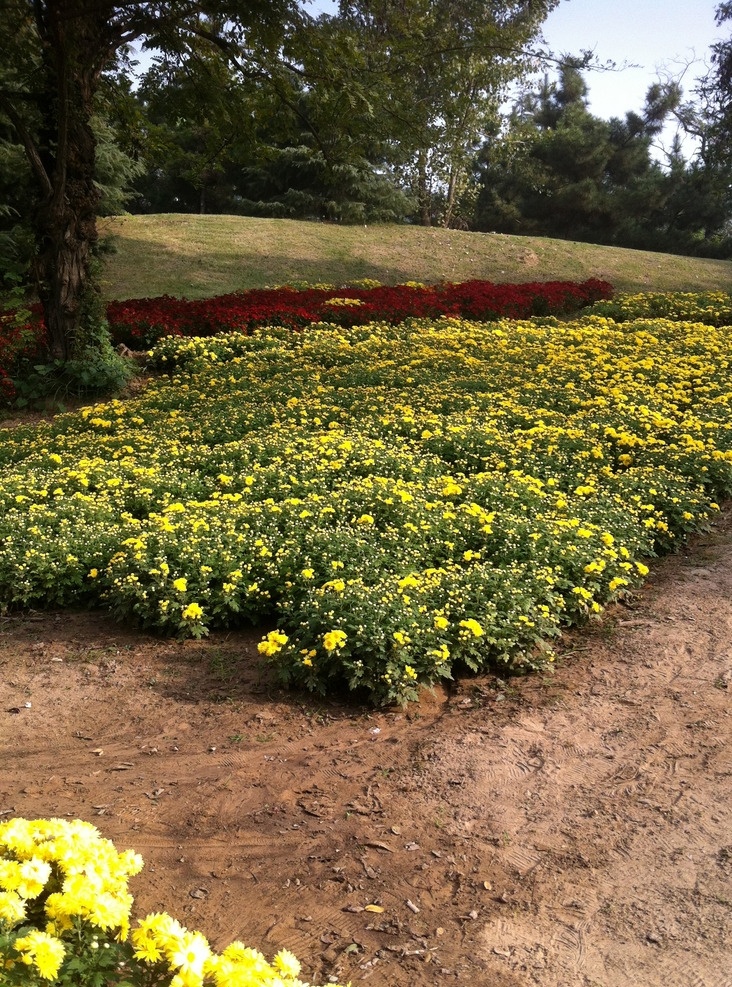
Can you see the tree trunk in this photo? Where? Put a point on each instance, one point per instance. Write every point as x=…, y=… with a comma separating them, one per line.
x=451, y=197
x=65, y=234
x=65, y=220
x=424, y=198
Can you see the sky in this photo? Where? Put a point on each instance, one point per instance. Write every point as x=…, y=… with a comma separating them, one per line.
x=653, y=35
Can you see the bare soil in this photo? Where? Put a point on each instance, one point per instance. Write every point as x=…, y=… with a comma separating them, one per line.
x=564, y=831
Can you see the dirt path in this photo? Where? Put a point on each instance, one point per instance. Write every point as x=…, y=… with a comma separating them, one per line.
x=575, y=830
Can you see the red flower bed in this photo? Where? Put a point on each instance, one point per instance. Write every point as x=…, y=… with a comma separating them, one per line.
x=141, y=322
x=18, y=343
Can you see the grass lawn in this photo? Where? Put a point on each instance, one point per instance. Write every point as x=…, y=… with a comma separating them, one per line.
x=200, y=256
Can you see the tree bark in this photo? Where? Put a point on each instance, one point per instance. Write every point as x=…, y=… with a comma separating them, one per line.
x=65, y=219
x=65, y=235
x=424, y=198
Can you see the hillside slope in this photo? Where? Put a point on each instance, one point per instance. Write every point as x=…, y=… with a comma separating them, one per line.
x=199, y=256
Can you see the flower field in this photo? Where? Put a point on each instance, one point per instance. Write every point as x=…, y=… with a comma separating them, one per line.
x=139, y=323
x=713, y=308
x=389, y=503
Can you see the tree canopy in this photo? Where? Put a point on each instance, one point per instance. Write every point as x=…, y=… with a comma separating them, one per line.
x=563, y=172
x=54, y=54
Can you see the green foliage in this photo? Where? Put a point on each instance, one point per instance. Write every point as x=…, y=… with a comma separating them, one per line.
x=193, y=123
x=563, y=172
x=115, y=170
x=317, y=157
x=16, y=238
x=441, y=69
x=96, y=369
x=715, y=94
x=373, y=114
x=301, y=183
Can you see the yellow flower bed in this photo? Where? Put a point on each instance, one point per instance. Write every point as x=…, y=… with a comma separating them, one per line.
x=378, y=493
x=65, y=919
x=713, y=308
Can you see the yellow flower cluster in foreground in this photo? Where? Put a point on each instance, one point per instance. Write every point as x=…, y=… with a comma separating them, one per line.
x=377, y=494
x=65, y=913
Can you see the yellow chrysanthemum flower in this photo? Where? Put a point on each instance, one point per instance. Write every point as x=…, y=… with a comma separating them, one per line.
x=473, y=627
x=45, y=952
x=274, y=642
x=287, y=964
x=192, y=612
x=12, y=907
x=333, y=640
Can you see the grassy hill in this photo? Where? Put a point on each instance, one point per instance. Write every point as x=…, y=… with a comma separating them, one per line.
x=199, y=256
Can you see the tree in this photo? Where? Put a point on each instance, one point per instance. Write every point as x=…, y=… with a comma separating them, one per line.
x=442, y=66
x=298, y=143
x=327, y=153
x=115, y=171
x=419, y=79
x=195, y=123
x=384, y=112
x=560, y=171
x=54, y=54
x=718, y=89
